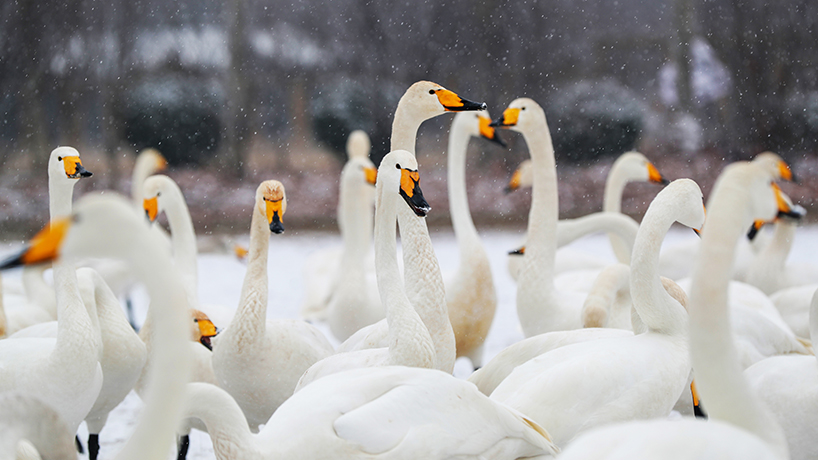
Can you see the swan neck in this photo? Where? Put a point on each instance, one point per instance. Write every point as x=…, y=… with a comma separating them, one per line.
x=657, y=309
x=251, y=315
x=612, y=202
x=60, y=196
x=75, y=331
x=356, y=225
x=719, y=377
x=183, y=239
x=544, y=212
x=404, y=129
x=224, y=419
x=624, y=227
x=462, y=222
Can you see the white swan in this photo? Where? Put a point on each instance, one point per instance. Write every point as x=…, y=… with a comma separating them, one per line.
x=354, y=300
x=629, y=167
x=740, y=426
x=162, y=194
x=321, y=268
x=259, y=360
x=577, y=387
x=122, y=352
x=108, y=226
x=24, y=418
x=409, y=341
x=470, y=293
x=541, y=306
x=64, y=170
x=423, y=281
x=386, y=413
x=794, y=306
x=789, y=386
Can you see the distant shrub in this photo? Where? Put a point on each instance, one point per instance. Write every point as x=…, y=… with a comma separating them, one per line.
x=178, y=115
x=345, y=105
x=594, y=119
x=801, y=119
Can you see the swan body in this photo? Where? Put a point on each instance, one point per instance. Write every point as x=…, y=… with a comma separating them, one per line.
x=354, y=300
x=740, y=426
x=409, y=341
x=794, y=306
x=386, y=413
x=576, y=387
x=24, y=418
x=258, y=360
x=321, y=268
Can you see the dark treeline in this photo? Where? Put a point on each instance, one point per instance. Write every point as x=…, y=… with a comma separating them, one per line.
x=205, y=79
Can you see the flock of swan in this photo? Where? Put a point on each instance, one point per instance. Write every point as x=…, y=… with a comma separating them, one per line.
x=616, y=361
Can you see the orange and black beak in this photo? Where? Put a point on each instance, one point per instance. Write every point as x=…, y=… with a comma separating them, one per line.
x=755, y=228
x=44, y=247
x=517, y=252
x=208, y=330
x=74, y=169
x=786, y=172
x=508, y=119
x=451, y=102
x=371, y=175
x=274, y=215
x=151, y=206
x=411, y=193
x=655, y=176
x=488, y=132
x=785, y=208
x=514, y=182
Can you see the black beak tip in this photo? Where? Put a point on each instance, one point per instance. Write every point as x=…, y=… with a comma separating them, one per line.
x=664, y=181
x=497, y=139
x=508, y=189
x=12, y=262
x=86, y=174
x=277, y=228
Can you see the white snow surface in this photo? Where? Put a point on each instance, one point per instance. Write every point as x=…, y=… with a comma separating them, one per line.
x=221, y=277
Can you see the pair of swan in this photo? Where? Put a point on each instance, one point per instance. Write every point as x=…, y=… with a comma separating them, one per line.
x=617, y=376
x=740, y=426
x=257, y=360
x=410, y=343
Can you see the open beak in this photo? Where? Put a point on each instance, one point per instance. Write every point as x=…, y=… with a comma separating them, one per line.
x=74, y=169
x=655, y=176
x=151, y=206
x=44, y=247
x=411, y=193
x=451, y=102
x=488, y=132
x=274, y=215
x=508, y=119
x=207, y=329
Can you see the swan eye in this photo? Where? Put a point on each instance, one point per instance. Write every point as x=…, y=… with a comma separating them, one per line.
x=59, y=158
x=159, y=194
x=397, y=166
x=431, y=91
x=522, y=108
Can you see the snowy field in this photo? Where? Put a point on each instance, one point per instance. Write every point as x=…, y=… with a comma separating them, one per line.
x=221, y=276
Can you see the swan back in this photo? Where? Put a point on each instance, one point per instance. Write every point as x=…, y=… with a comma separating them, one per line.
x=24, y=417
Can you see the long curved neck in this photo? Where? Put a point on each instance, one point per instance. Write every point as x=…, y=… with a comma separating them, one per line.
x=612, y=202
x=223, y=418
x=142, y=169
x=251, y=316
x=404, y=129
x=183, y=239
x=36, y=288
x=409, y=340
x=569, y=230
x=657, y=309
x=462, y=222
x=715, y=362
x=544, y=212
x=60, y=195
x=768, y=265
x=155, y=430
x=75, y=332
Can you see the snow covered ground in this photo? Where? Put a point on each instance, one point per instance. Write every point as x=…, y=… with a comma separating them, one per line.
x=221, y=276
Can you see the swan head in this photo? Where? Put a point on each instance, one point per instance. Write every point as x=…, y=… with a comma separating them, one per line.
x=150, y=160
x=522, y=115
x=399, y=172
x=156, y=191
x=752, y=192
x=686, y=202
x=523, y=176
x=65, y=162
x=203, y=329
x=476, y=124
x=430, y=99
x=358, y=144
x=775, y=165
x=637, y=167
x=271, y=200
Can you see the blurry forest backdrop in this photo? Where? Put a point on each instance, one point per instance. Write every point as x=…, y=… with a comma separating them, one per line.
x=235, y=91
